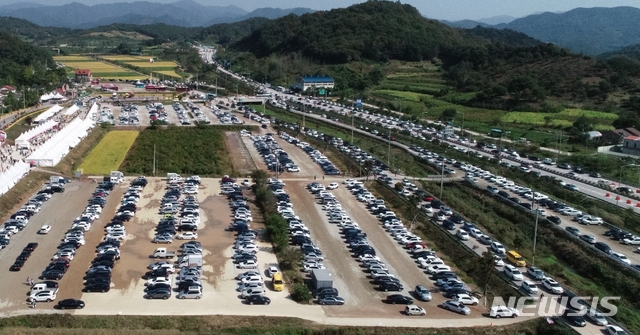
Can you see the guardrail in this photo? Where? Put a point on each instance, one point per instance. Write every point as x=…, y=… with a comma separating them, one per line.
x=555, y=226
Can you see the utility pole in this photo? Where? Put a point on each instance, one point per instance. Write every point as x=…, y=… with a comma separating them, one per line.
x=441, y=179
x=154, y=159
x=389, y=149
x=216, y=86
x=535, y=232
x=351, y=128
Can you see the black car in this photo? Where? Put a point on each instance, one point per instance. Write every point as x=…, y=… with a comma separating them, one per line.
x=52, y=274
x=95, y=280
x=390, y=286
x=554, y=219
x=49, y=283
x=576, y=318
x=157, y=286
x=155, y=273
x=444, y=275
x=399, y=299
x=70, y=304
x=97, y=287
x=603, y=247
x=258, y=300
x=451, y=293
x=448, y=224
x=327, y=291
x=31, y=246
x=17, y=265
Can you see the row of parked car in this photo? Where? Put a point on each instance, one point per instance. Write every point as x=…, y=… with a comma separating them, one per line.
x=249, y=284
x=72, y=240
x=501, y=185
x=129, y=115
x=181, y=218
x=198, y=115
x=186, y=281
x=157, y=112
x=274, y=156
x=98, y=276
x=225, y=117
x=328, y=168
x=446, y=280
x=20, y=218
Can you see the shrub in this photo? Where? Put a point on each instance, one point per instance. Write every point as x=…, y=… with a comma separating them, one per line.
x=300, y=293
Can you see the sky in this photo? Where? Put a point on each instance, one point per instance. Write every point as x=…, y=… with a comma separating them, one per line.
x=436, y=9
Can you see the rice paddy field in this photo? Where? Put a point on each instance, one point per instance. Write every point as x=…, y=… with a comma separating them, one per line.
x=98, y=69
x=601, y=120
x=109, y=153
x=157, y=65
x=165, y=73
x=76, y=58
x=126, y=58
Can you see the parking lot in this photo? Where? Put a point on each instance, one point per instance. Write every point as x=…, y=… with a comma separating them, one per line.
x=58, y=212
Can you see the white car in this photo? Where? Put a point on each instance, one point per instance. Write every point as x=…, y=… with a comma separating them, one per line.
x=498, y=248
x=463, y=235
x=272, y=270
x=615, y=330
x=438, y=268
x=552, y=285
x=466, y=299
x=249, y=264
x=44, y=229
x=189, y=235
x=332, y=186
x=634, y=240
x=40, y=296
x=512, y=272
x=158, y=280
x=621, y=257
x=529, y=287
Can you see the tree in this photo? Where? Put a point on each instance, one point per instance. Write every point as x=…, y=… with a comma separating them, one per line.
x=259, y=177
x=448, y=114
x=547, y=120
x=398, y=187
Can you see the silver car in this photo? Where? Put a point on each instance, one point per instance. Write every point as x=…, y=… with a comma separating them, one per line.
x=456, y=306
x=191, y=292
x=422, y=293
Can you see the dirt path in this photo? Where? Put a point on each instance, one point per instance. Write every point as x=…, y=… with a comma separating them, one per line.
x=240, y=157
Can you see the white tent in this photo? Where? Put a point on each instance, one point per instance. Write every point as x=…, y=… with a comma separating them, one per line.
x=56, y=96
x=23, y=140
x=13, y=174
x=45, y=97
x=48, y=113
x=53, y=150
x=71, y=110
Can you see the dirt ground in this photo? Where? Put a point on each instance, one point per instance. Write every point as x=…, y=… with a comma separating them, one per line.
x=240, y=157
x=59, y=212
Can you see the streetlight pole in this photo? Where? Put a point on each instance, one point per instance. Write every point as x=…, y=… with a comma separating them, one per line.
x=352, y=128
x=441, y=179
x=535, y=232
x=388, y=148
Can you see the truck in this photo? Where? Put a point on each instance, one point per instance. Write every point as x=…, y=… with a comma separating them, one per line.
x=116, y=177
x=163, y=253
x=321, y=278
x=173, y=177
x=190, y=261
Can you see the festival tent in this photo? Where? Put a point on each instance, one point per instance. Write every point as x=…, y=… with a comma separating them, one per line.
x=23, y=141
x=53, y=150
x=71, y=110
x=45, y=97
x=13, y=175
x=49, y=113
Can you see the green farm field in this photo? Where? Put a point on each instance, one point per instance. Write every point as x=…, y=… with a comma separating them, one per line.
x=109, y=153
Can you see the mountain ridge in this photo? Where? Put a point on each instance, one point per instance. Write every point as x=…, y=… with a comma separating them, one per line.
x=185, y=13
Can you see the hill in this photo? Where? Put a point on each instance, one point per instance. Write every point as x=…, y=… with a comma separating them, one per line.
x=631, y=51
x=591, y=31
x=185, y=13
x=374, y=30
x=504, y=36
x=24, y=65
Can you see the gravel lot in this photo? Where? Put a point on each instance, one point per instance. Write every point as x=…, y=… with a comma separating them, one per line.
x=59, y=212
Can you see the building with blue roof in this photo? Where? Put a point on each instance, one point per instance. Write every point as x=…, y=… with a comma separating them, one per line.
x=305, y=82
